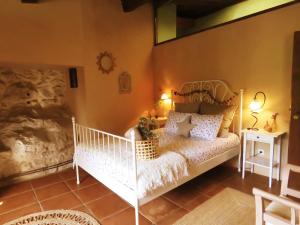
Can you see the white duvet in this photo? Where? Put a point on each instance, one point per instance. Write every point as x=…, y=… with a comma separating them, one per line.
x=178, y=156
x=196, y=150
x=166, y=170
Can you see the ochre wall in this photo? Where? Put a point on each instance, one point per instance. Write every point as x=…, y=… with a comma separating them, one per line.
x=64, y=33
x=254, y=54
x=129, y=36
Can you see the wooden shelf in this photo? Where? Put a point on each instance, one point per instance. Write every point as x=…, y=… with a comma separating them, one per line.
x=260, y=161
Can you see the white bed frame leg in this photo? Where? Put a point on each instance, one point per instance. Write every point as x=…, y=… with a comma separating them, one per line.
x=137, y=215
x=77, y=175
x=241, y=126
x=75, y=145
x=136, y=207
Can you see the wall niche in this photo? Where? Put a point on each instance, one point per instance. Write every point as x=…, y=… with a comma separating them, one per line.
x=35, y=120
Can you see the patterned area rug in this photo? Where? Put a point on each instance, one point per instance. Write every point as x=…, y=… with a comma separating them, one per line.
x=56, y=217
x=229, y=207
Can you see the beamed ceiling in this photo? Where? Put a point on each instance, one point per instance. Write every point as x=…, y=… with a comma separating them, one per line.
x=198, y=8
x=185, y=8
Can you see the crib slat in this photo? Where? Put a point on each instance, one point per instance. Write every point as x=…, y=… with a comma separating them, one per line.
x=114, y=143
x=94, y=132
x=98, y=141
x=114, y=155
x=78, y=132
x=86, y=138
x=103, y=141
x=108, y=143
x=127, y=161
x=120, y=151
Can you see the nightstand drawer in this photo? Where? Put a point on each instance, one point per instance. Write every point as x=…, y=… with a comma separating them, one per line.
x=259, y=138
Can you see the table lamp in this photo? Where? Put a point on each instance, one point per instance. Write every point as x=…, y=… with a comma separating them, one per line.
x=256, y=107
x=164, y=96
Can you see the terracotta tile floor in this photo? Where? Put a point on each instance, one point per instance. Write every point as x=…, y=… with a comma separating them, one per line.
x=60, y=190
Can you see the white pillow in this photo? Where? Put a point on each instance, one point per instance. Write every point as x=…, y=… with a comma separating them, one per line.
x=184, y=128
x=173, y=119
x=207, y=126
x=137, y=134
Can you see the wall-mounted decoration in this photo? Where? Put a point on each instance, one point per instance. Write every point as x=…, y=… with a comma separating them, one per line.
x=106, y=62
x=124, y=83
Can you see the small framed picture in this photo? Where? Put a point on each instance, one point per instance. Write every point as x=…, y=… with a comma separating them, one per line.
x=124, y=83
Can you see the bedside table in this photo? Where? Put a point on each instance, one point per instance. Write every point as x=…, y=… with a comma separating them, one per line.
x=273, y=139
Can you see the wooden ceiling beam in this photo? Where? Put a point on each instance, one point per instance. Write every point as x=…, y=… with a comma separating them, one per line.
x=29, y=1
x=130, y=5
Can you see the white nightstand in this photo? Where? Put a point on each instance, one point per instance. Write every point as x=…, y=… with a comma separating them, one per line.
x=273, y=139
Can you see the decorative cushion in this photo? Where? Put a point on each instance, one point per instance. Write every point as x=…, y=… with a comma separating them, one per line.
x=136, y=131
x=207, y=126
x=173, y=119
x=227, y=111
x=187, y=107
x=184, y=128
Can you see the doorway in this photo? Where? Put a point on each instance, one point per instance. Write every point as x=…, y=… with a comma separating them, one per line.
x=294, y=137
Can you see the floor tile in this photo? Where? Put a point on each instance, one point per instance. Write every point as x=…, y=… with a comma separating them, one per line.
x=54, y=191
x=172, y=217
x=214, y=190
x=92, y=192
x=186, y=196
x=84, y=181
x=126, y=217
x=17, y=201
x=208, y=187
x=65, y=201
x=70, y=173
x=15, y=214
x=238, y=183
x=51, y=191
x=158, y=209
x=220, y=173
x=14, y=189
x=107, y=205
x=44, y=181
x=255, y=179
x=195, y=202
x=83, y=209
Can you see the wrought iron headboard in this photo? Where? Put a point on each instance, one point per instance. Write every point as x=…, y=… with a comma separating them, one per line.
x=212, y=91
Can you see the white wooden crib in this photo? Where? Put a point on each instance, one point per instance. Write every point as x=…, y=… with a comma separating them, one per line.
x=123, y=179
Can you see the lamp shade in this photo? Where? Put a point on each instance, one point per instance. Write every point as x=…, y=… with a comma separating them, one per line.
x=256, y=105
x=164, y=96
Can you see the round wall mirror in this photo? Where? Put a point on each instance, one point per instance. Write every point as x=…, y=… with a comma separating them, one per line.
x=106, y=62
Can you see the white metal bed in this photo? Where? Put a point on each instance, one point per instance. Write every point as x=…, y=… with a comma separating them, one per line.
x=109, y=145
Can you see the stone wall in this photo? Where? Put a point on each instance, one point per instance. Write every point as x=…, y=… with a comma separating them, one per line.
x=35, y=120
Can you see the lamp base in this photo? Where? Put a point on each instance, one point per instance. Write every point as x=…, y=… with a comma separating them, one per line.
x=253, y=114
x=253, y=128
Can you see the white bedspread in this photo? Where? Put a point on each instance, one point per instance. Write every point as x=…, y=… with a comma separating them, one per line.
x=166, y=170
x=178, y=157
x=195, y=150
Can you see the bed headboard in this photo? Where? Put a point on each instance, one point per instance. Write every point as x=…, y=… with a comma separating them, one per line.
x=212, y=91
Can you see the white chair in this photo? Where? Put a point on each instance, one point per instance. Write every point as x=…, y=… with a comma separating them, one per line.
x=282, y=210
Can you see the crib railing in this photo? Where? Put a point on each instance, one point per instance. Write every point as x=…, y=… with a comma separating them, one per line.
x=117, y=153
